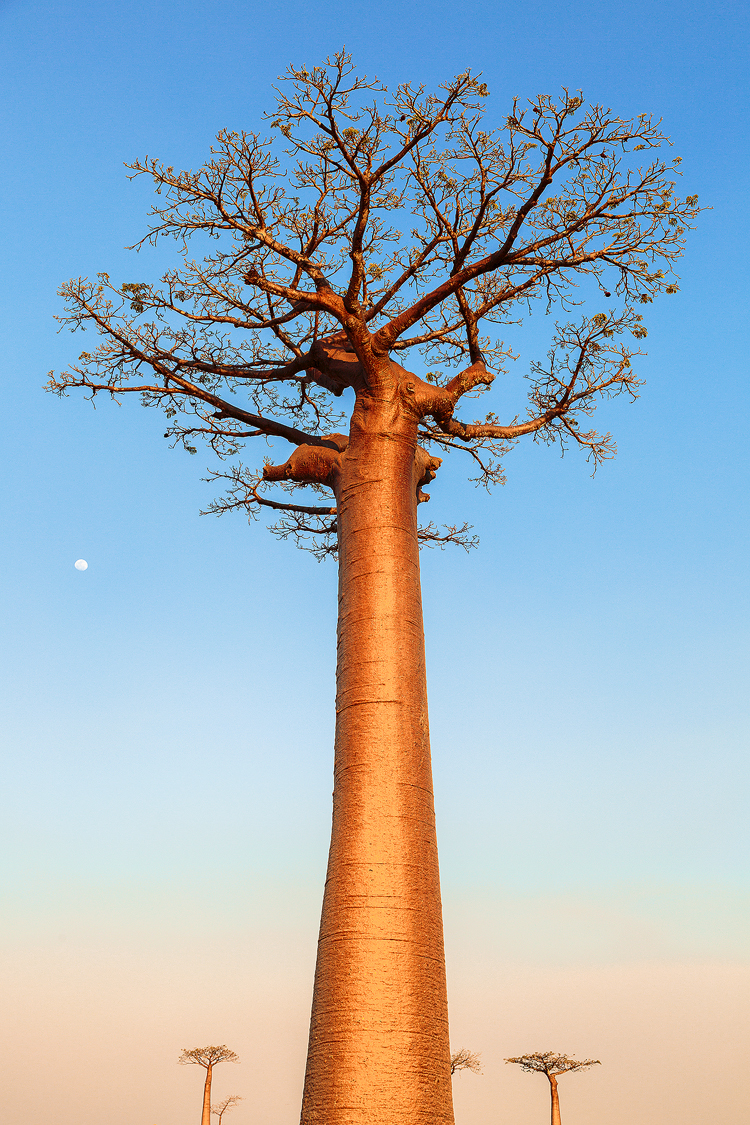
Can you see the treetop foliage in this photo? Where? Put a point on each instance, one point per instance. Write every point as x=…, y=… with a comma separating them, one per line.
x=464, y=1059
x=366, y=226
x=549, y=1063
x=220, y=1108
x=208, y=1056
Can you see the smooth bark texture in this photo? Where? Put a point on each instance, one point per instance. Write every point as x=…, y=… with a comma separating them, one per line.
x=555, y=1099
x=379, y=1050
x=310, y=294
x=206, y=1114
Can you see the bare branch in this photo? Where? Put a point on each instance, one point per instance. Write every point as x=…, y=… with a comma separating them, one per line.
x=463, y=1059
x=429, y=536
x=220, y=1108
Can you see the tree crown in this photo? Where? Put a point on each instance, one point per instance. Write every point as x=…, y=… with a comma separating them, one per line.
x=549, y=1063
x=368, y=226
x=464, y=1059
x=220, y=1108
x=208, y=1056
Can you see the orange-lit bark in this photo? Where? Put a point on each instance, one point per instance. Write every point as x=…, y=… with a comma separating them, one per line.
x=379, y=1051
x=206, y=1114
x=555, y=1099
x=379, y=1044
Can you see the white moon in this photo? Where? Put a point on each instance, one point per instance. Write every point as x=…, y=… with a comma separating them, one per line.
x=81, y=564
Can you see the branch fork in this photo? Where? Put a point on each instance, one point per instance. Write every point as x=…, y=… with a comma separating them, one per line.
x=440, y=402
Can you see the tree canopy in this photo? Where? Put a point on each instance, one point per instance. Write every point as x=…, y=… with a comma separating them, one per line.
x=208, y=1056
x=220, y=1108
x=549, y=1063
x=365, y=227
x=464, y=1059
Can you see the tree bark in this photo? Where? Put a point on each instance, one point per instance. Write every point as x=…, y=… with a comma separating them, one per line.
x=555, y=1099
x=206, y=1114
x=379, y=1050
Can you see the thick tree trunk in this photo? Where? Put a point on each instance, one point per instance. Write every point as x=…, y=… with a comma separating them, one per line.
x=379, y=1051
x=206, y=1114
x=555, y=1100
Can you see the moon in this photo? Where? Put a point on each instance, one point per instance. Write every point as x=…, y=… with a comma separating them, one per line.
x=81, y=564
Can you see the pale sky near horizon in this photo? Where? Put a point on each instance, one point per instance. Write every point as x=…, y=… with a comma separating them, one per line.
x=168, y=713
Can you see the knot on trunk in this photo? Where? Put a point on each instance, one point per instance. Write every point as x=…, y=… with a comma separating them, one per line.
x=335, y=363
x=311, y=464
x=426, y=467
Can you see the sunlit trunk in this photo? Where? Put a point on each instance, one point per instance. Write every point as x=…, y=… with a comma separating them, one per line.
x=206, y=1114
x=379, y=1051
x=555, y=1100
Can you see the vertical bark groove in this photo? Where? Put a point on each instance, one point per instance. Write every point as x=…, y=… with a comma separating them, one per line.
x=379, y=1050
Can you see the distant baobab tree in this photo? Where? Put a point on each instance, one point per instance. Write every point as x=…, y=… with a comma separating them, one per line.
x=552, y=1065
x=208, y=1058
x=364, y=228
x=463, y=1059
x=229, y=1103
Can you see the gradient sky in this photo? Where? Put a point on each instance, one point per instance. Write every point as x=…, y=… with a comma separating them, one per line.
x=168, y=714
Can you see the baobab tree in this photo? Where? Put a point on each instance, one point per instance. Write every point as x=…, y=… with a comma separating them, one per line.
x=221, y=1108
x=552, y=1065
x=365, y=228
x=208, y=1058
x=464, y=1059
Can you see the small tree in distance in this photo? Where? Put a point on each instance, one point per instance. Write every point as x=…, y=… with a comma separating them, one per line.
x=464, y=1059
x=546, y=1062
x=208, y=1058
x=229, y=1103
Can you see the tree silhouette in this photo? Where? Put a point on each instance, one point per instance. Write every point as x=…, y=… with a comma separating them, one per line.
x=463, y=1059
x=373, y=227
x=229, y=1103
x=552, y=1065
x=208, y=1058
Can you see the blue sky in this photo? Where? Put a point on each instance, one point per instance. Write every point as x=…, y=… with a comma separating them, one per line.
x=168, y=713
